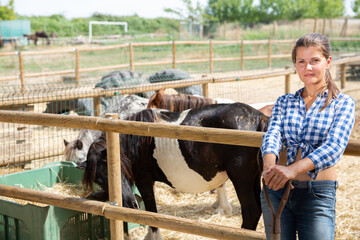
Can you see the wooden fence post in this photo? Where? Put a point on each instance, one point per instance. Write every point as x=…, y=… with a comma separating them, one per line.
x=77, y=66
x=315, y=24
x=211, y=56
x=174, y=53
x=269, y=54
x=21, y=68
x=323, y=26
x=131, y=57
x=287, y=81
x=114, y=176
x=97, y=106
x=346, y=26
x=205, y=89
x=331, y=26
x=343, y=75
x=242, y=55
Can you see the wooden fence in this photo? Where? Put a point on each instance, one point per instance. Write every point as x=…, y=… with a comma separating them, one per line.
x=131, y=65
x=112, y=128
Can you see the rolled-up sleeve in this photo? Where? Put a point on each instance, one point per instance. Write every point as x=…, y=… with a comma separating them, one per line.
x=331, y=150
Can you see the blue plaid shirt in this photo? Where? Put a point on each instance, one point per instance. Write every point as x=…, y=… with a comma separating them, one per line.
x=321, y=135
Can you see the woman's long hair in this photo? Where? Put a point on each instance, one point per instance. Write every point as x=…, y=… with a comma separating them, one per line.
x=323, y=43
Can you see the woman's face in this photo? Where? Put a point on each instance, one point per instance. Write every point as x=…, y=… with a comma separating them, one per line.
x=311, y=65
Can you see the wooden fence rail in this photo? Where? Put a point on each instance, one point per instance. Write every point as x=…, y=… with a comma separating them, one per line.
x=133, y=215
x=201, y=134
x=131, y=65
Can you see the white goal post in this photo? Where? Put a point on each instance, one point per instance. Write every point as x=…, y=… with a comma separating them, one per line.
x=105, y=23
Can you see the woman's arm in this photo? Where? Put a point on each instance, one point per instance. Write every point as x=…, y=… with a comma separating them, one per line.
x=330, y=151
x=271, y=141
x=276, y=176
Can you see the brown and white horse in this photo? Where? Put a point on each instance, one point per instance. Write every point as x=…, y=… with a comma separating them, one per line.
x=180, y=102
x=187, y=165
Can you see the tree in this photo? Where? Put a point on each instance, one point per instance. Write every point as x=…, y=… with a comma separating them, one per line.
x=241, y=11
x=356, y=8
x=7, y=11
x=190, y=13
x=270, y=10
x=330, y=8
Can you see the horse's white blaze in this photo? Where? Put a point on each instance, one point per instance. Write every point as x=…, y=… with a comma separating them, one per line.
x=172, y=163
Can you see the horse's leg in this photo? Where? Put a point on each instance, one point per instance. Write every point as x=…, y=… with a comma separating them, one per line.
x=146, y=189
x=247, y=186
x=222, y=204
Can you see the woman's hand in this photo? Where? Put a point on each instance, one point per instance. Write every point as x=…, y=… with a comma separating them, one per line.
x=276, y=176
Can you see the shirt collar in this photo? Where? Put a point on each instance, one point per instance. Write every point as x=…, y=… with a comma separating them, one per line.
x=322, y=94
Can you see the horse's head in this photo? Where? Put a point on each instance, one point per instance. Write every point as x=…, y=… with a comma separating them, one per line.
x=155, y=100
x=177, y=102
x=95, y=171
x=75, y=151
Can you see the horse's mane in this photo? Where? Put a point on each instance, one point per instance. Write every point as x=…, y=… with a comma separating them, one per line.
x=136, y=147
x=97, y=148
x=146, y=115
x=181, y=102
x=177, y=102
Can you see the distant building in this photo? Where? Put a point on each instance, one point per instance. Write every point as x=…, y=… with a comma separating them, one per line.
x=14, y=31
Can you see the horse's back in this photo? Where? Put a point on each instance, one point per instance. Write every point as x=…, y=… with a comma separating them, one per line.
x=232, y=116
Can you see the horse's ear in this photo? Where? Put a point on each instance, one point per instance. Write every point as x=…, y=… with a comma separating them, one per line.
x=158, y=97
x=81, y=166
x=161, y=91
x=66, y=142
x=79, y=144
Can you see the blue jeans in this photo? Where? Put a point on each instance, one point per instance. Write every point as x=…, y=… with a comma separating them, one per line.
x=309, y=211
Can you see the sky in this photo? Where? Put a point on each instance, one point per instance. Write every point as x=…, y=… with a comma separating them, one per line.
x=85, y=8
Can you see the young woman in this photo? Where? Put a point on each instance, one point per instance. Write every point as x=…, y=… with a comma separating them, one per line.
x=307, y=134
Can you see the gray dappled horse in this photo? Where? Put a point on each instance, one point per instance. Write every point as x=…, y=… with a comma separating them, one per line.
x=77, y=149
